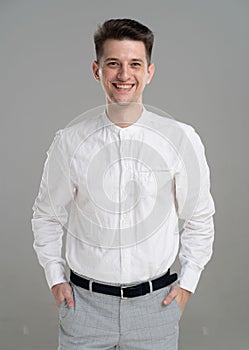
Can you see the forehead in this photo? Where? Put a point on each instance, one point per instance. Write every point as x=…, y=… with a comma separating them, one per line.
x=124, y=49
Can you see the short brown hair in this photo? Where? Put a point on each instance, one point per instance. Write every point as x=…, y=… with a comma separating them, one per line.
x=121, y=29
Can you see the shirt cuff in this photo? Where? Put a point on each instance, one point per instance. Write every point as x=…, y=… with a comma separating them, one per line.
x=189, y=277
x=55, y=274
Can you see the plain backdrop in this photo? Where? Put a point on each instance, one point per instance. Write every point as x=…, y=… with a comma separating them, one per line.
x=201, y=55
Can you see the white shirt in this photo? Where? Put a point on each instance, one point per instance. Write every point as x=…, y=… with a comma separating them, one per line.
x=123, y=195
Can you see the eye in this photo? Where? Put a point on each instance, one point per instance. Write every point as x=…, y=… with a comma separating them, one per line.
x=112, y=64
x=136, y=64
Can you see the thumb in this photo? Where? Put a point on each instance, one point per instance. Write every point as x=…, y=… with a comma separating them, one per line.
x=69, y=298
x=172, y=294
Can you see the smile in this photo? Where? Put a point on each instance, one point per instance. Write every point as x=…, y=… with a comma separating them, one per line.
x=123, y=86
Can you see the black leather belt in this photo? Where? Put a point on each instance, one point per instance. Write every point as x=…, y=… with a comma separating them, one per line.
x=125, y=291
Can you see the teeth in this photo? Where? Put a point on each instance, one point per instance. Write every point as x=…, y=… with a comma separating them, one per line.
x=123, y=86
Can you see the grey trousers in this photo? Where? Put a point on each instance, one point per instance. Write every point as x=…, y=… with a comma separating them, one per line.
x=100, y=321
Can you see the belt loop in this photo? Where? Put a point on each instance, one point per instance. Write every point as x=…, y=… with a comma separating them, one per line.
x=90, y=286
x=151, y=286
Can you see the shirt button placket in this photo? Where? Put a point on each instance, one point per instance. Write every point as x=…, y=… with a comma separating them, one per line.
x=121, y=200
x=121, y=177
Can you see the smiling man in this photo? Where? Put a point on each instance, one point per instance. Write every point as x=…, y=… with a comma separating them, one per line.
x=129, y=175
x=123, y=67
x=123, y=70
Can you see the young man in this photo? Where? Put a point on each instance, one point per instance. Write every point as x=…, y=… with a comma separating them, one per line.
x=129, y=176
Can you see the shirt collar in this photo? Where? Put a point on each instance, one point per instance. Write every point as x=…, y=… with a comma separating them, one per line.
x=117, y=129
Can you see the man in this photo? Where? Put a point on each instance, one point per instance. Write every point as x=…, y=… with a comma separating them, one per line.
x=129, y=176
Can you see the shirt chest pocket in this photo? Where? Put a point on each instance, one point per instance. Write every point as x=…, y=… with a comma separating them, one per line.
x=153, y=182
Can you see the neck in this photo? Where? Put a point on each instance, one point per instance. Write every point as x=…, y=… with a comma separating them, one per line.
x=124, y=115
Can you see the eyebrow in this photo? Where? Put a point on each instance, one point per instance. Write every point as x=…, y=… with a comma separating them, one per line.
x=116, y=59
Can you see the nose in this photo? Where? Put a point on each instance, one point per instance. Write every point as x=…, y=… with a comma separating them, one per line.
x=123, y=72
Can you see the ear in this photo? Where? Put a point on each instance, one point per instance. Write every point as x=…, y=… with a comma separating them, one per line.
x=95, y=70
x=151, y=70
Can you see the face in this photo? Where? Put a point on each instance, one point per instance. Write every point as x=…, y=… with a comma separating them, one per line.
x=123, y=71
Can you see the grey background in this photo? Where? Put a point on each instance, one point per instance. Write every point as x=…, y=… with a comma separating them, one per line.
x=201, y=55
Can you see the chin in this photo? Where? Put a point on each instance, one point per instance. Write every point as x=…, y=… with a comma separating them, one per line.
x=124, y=102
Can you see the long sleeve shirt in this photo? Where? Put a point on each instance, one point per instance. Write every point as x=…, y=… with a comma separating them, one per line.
x=126, y=197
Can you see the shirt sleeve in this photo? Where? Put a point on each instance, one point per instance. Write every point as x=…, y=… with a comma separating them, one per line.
x=195, y=210
x=50, y=213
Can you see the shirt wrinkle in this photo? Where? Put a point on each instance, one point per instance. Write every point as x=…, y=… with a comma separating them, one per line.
x=112, y=188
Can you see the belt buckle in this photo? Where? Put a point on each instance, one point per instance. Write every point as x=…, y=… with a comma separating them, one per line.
x=122, y=292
